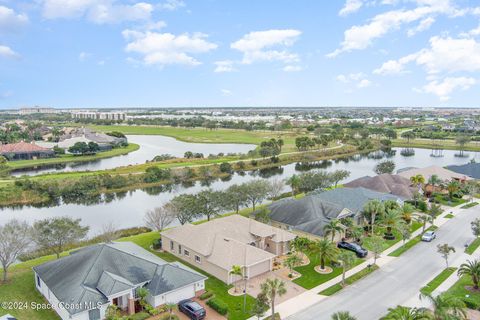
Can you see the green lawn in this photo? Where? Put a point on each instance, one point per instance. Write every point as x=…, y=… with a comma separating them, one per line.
x=449, y=202
x=427, y=144
x=71, y=158
x=311, y=278
x=348, y=281
x=449, y=216
x=469, y=205
x=438, y=280
x=388, y=243
x=21, y=286
x=471, y=299
x=473, y=246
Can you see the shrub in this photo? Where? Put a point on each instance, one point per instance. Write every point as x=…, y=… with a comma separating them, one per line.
x=169, y=317
x=206, y=295
x=58, y=150
x=254, y=163
x=218, y=305
x=157, y=244
x=225, y=167
x=241, y=165
x=422, y=206
x=139, y=316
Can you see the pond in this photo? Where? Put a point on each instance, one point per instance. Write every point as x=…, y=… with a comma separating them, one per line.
x=128, y=209
x=150, y=146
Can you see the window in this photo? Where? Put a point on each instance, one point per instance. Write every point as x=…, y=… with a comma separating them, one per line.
x=171, y=245
x=186, y=252
x=39, y=284
x=94, y=314
x=197, y=259
x=180, y=248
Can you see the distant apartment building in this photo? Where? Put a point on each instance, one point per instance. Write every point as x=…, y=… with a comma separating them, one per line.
x=96, y=115
x=35, y=110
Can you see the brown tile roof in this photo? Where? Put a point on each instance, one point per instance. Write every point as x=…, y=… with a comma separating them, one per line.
x=21, y=147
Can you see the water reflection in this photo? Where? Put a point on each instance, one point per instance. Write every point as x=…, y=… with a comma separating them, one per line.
x=127, y=209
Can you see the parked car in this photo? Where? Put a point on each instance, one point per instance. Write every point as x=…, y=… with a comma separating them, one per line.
x=359, y=251
x=429, y=236
x=192, y=309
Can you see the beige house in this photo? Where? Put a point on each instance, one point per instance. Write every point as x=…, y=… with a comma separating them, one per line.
x=217, y=245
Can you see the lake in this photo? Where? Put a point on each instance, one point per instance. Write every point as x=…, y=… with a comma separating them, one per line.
x=150, y=146
x=128, y=209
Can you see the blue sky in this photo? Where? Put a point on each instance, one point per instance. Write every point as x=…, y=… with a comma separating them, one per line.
x=167, y=53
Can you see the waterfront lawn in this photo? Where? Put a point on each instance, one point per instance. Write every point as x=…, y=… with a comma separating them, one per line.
x=471, y=299
x=21, y=286
x=65, y=158
x=438, y=280
x=473, y=246
x=348, y=281
x=311, y=278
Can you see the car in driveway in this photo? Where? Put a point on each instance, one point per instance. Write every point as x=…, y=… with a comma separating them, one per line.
x=356, y=248
x=429, y=236
x=192, y=309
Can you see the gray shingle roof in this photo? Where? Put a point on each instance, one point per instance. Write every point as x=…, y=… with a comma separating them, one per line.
x=92, y=273
x=469, y=169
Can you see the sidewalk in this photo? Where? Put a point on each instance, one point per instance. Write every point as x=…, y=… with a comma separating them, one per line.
x=311, y=297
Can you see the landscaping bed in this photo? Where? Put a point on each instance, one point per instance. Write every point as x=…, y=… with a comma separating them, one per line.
x=469, y=205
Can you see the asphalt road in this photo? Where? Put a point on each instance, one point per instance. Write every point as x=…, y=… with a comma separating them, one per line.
x=400, y=280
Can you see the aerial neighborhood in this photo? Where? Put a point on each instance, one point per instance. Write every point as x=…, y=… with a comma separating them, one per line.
x=239, y=160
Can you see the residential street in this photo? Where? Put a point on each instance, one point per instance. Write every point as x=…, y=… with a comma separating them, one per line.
x=397, y=282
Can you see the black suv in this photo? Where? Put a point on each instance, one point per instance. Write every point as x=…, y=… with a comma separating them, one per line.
x=359, y=251
x=192, y=309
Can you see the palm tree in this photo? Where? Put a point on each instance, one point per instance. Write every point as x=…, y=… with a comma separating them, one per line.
x=434, y=211
x=343, y=315
x=348, y=259
x=372, y=209
x=170, y=307
x=392, y=220
x=471, y=269
x=452, y=187
x=294, y=183
x=417, y=180
x=434, y=180
x=325, y=250
x=236, y=271
x=405, y=313
x=273, y=288
x=423, y=219
x=300, y=244
x=292, y=261
x=332, y=227
x=445, y=307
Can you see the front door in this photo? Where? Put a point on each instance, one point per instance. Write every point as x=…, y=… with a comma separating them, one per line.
x=115, y=301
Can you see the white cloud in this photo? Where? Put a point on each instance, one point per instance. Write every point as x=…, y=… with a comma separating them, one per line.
x=226, y=92
x=260, y=46
x=166, y=48
x=292, y=68
x=350, y=6
x=171, y=5
x=224, y=66
x=358, y=79
x=425, y=24
x=10, y=21
x=444, y=88
x=97, y=11
x=395, y=66
x=472, y=33
x=82, y=56
x=360, y=37
x=7, y=52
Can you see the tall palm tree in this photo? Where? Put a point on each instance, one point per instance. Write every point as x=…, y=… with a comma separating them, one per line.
x=392, y=220
x=471, y=269
x=343, y=315
x=445, y=307
x=236, y=271
x=371, y=210
x=406, y=313
x=332, y=227
x=452, y=187
x=325, y=250
x=273, y=288
x=417, y=180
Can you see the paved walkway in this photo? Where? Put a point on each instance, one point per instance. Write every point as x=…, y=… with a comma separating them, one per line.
x=311, y=305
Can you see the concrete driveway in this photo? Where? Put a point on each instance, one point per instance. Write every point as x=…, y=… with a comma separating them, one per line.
x=398, y=282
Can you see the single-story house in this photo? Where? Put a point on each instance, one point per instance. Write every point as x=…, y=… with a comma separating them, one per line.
x=24, y=151
x=470, y=169
x=82, y=285
x=309, y=215
x=217, y=245
x=427, y=172
x=70, y=142
x=386, y=183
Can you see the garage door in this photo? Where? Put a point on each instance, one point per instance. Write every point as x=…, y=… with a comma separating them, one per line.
x=259, y=268
x=180, y=294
